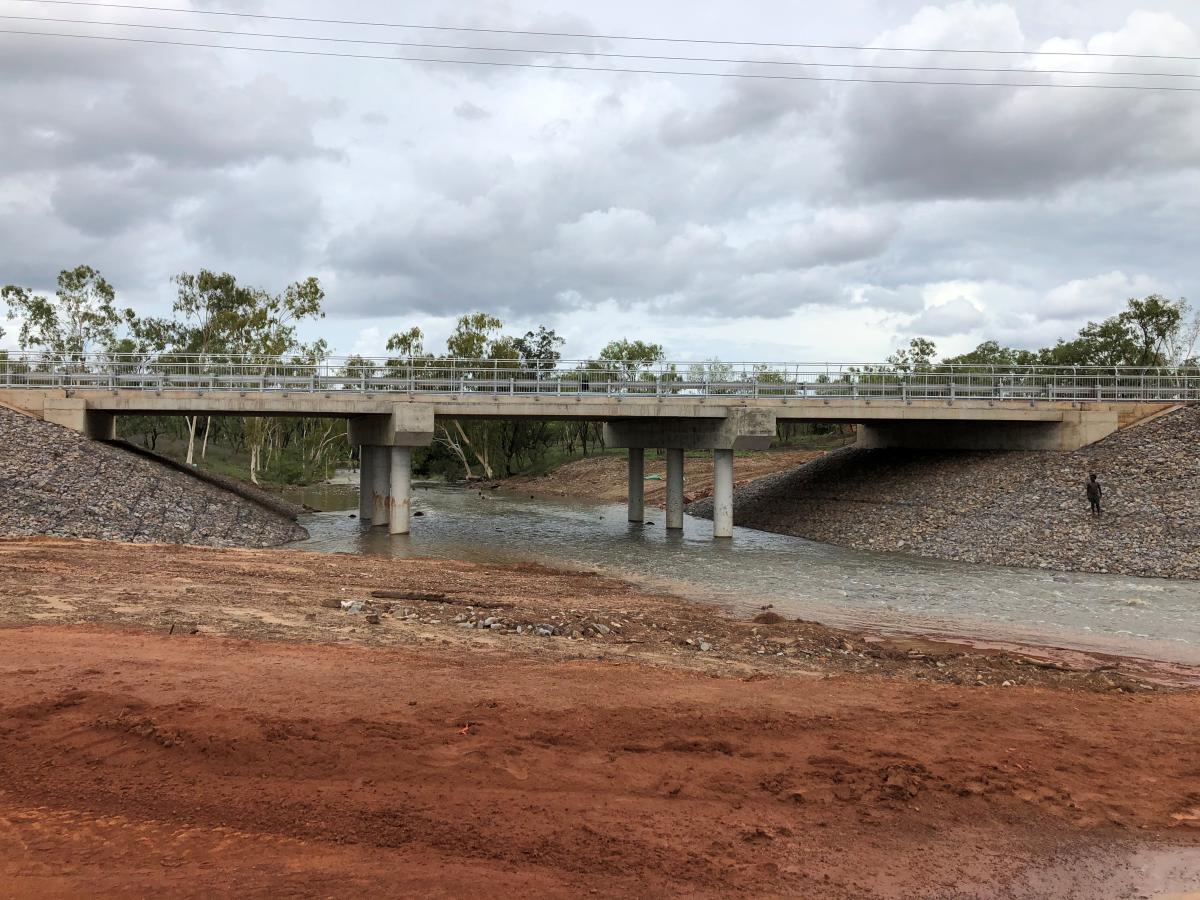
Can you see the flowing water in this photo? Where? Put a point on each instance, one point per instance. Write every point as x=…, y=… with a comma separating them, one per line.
x=1150, y=618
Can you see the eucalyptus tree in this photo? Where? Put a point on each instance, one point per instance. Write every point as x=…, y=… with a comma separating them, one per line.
x=82, y=317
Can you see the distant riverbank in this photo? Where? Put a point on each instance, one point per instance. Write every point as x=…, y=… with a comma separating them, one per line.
x=605, y=479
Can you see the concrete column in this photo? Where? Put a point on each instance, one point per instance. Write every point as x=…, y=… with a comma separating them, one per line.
x=722, y=493
x=674, y=489
x=400, y=499
x=381, y=477
x=637, y=485
x=366, y=482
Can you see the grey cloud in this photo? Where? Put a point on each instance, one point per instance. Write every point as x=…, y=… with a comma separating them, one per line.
x=105, y=202
x=959, y=316
x=470, y=112
x=505, y=254
x=744, y=110
x=909, y=141
x=70, y=104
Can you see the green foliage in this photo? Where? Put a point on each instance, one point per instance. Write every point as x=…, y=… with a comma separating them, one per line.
x=81, y=317
x=538, y=350
x=916, y=357
x=408, y=344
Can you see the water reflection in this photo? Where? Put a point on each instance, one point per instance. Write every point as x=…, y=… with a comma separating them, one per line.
x=1136, y=616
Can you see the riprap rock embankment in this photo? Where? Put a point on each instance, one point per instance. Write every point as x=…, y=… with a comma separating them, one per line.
x=1015, y=509
x=56, y=482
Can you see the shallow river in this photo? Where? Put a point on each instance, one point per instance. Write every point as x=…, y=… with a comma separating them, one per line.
x=1151, y=618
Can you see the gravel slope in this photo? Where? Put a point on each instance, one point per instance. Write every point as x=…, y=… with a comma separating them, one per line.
x=54, y=481
x=1016, y=509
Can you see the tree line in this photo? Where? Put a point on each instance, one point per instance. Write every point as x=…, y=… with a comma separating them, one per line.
x=215, y=315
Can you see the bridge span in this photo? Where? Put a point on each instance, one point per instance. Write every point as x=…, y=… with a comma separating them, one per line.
x=393, y=406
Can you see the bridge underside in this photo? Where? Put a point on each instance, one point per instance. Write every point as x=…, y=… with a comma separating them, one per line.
x=695, y=423
x=386, y=428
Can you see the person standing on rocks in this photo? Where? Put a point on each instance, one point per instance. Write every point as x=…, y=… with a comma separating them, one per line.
x=1094, y=493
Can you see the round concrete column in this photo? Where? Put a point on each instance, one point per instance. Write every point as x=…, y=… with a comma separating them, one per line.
x=674, y=490
x=366, y=483
x=381, y=476
x=400, y=499
x=722, y=493
x=637, y=485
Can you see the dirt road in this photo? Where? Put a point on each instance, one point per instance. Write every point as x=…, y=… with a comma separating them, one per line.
x=293, y=749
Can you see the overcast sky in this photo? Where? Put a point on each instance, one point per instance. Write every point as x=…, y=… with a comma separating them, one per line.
x=731, y=218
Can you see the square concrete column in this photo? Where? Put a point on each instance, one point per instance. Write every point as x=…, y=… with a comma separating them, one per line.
x=674, y=489
x=400, y=499
x=366, y=482
x=637, y=485
x=381, y=477
x=722, y=493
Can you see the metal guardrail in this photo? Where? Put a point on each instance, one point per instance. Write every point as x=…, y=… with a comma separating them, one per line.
x=217, y=373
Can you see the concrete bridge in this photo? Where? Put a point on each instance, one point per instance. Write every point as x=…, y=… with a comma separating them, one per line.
x=393, y=406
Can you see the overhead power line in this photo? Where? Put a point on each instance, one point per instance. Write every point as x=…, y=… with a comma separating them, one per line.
x=600, y=54
x=558, y=67
x=591, y=36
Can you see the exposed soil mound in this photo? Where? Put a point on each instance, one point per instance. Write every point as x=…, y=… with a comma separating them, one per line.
x=1018, y=509
x=56, y=482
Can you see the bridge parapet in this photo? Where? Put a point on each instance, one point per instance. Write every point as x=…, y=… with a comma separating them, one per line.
x=566, y=378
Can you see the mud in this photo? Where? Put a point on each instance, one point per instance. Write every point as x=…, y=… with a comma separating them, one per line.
x=335, y=758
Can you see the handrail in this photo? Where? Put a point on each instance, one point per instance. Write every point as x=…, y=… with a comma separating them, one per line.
x=421, y=375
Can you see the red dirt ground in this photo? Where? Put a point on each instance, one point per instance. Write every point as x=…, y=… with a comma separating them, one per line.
x=417, y=757
x=135, y=764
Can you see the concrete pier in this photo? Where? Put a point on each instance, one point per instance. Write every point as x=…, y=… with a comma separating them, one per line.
x=381, y=477
x=637, y=485
x=674, y=489
x=400, y=495
x=722, y=493
x=366, y=483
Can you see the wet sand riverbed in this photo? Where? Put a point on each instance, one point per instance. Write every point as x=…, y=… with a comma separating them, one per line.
x=293, y=747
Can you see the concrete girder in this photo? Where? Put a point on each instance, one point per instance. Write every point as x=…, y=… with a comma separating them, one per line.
x=1075, y=429
x=404, y=426
x=741, y=429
